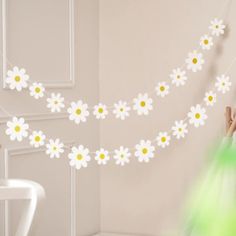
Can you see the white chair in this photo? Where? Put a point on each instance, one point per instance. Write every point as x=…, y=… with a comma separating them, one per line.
x=13, y=189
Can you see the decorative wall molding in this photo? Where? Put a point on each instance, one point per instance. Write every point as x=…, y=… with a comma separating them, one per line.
x=37, y=117
x=56, y=84
x=16, y=152
x=69, y=82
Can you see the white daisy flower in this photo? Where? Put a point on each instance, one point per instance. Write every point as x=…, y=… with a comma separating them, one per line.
x=121, y=110
x=142, y=104
x=79, y=157
x=178, y=77
x=17, y=78
x=78, y=112
x=163, y=139
x=162, y=89
x=122, y=156
x=217, y=27
x=206, y=42
x=17, y=129
x=37, y=90
x=197, y=115
x=100, y=111
x=37, y=139
x=144, y=151
x=54, y=148
x=55, y=102
x=194, y=61
x=223, y=83
x=179, y=129
x=102, y=157
x=210, y=98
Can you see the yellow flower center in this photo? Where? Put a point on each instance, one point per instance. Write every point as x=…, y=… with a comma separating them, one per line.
x=78, y=112
x=37, y=138
x=210, y=98
x=206, y=41
x=17, y=78
x=122, y=156
x=180, y=129
x=55, y=102
x=162, y=88
x=54, y=148
x=142, y=104
x=102, y=156
x=37, y=90
x=121, y=109
x=197, y=116
x=178, y=76
x=17, y=128
x=79, y=157
x=195, y=60
x=223, y=84
x=100, y=110
x=163, y=139
x=217, y=26
x=145, y=151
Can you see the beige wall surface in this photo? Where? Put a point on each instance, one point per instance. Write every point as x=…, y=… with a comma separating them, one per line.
x=140, y=42
x=122, y=48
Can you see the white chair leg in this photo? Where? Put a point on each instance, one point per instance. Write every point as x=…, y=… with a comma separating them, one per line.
x=27, y=217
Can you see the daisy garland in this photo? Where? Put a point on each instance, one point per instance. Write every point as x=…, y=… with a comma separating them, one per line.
x=142, y=104
x=163, y=139
x=102, y=156
x=100, y=111
x=80, y=156
x=197, y=115
x=144, y=151
x=210, y=98
x=179, y=129
x=78, y=112
x=37, y=139
x=122, y=156
x=17, y=79
x=54, y=148
x=17, y=129
x=37, y=90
